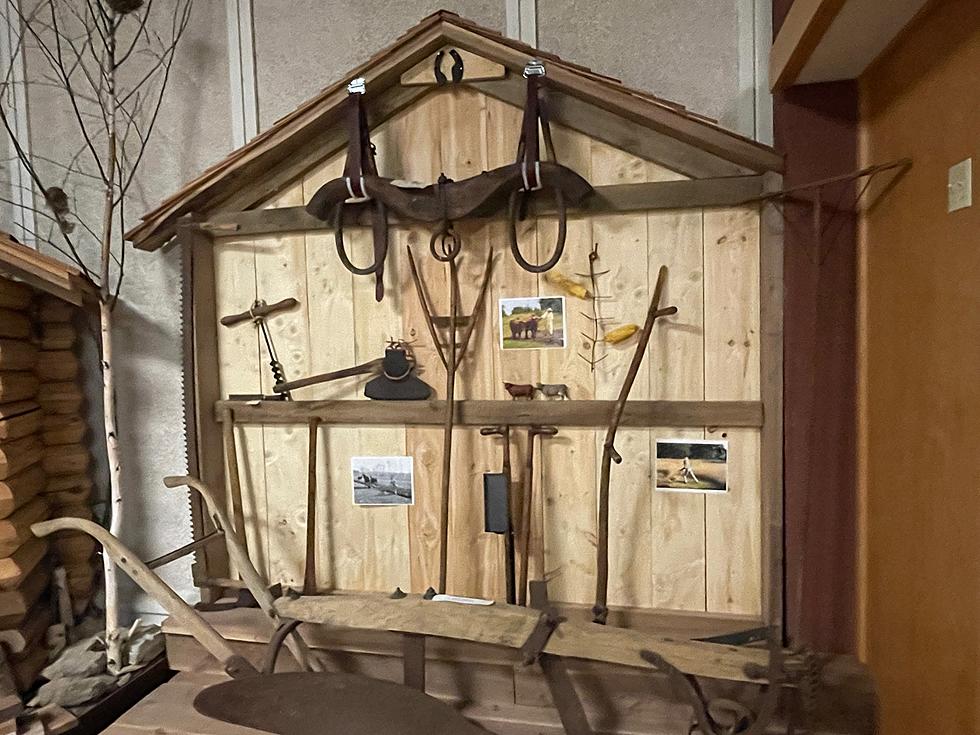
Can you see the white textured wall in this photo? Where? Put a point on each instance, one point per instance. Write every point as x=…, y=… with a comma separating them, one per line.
x=685, y=50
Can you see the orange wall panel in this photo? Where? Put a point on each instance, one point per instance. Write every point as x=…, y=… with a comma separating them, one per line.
x=921, y=381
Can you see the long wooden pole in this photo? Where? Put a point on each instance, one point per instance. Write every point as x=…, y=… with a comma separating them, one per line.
x=609, y=453
x=447, y=439
x=249, y=574
x=234, y=476
x=309, y=573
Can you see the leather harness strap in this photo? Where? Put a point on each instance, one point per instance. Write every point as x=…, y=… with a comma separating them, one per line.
x=505, y=187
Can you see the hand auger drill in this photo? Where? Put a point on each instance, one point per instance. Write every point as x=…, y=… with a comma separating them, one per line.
x=258, y=313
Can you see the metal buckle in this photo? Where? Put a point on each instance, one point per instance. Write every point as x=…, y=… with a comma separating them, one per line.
x=358, y=86
x=534, y=68
x=354, y=196
x=537, y=176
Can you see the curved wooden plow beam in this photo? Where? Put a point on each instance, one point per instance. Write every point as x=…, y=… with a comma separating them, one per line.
x=150, y=583
x=509, y=626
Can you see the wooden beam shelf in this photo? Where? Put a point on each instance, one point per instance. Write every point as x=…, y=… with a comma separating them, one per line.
x=473, y=413
x=725, y=191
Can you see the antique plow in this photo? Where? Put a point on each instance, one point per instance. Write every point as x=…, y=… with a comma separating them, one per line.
x=311, y=702
x=451, y=355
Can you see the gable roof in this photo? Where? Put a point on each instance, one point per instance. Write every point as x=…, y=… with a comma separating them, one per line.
x=50, y=275
x=217, y=185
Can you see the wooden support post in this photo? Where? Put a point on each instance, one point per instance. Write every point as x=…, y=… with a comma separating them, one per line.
x=309, y=572
x=201, y=390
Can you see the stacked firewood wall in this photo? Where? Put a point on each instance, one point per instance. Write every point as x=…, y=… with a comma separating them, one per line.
x=43, y=468
x=68, y=488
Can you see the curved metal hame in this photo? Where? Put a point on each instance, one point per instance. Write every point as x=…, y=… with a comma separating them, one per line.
x=380, y=248
x=515, y=247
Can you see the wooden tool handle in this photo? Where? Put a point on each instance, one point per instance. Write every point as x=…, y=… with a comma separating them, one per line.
x=261, y=309
x=372, y=366
x=250, y=575
x=150, y=583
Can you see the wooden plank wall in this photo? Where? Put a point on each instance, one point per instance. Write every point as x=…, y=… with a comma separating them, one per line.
x=675, y=551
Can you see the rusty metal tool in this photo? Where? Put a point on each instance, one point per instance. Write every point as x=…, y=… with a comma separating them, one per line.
x=510, y=583
x=258, y=313
x=609, y=453
x=451, y=356
x=527, y=505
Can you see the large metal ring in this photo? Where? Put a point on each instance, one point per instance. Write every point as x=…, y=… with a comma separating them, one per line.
x=559, y=246
x=342, y=251
x=449, y=244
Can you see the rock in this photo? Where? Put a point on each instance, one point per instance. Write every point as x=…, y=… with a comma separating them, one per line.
x=145, y=644
x=78, y=660
x=71, y=692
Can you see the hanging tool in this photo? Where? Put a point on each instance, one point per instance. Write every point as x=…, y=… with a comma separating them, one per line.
x=396, y=376
x=451, y=356
x=258, y=313
x=528, y=490
x=609, y=453
x=507, y=527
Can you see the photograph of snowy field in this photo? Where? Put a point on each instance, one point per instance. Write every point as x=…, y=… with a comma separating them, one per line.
x=382, y=480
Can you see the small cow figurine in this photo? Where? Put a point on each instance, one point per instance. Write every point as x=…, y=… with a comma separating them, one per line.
x=552, y=390
x=520, y=390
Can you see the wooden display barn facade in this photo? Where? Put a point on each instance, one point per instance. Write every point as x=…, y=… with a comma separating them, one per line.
x=671, y=188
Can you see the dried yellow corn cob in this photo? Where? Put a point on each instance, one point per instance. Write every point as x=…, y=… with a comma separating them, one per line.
x=565, y=283
x=620, y=334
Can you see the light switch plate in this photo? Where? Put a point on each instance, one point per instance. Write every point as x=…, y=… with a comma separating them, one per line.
x=960, y=186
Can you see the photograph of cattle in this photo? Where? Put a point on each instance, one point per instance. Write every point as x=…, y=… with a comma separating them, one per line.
x=532, y=322
x=692, y=466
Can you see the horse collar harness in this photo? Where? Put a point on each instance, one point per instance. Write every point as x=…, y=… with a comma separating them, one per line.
x=507, y=187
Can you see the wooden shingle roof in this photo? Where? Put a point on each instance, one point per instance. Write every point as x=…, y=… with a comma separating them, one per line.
x=50, y=275
x=219, y=185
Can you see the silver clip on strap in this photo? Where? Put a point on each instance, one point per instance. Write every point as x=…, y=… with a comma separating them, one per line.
x=356, y=197
x=528, y=186
x=357, y=86
x=534, y=68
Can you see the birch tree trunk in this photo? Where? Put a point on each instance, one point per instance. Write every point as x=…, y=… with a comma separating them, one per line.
x=114, y=642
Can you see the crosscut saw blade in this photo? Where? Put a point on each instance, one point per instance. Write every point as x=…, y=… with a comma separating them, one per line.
x=185, y=253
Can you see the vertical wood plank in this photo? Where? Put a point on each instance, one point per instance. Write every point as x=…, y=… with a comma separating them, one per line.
x=205, y=456
x=280, y=272
x=239, y=364
x=771, y=368
x=676, y=356
x=383, y=541
x=622, y=246
x=332, y=346
x=731, y=345
x=568, y=488
x=510, y=280
x=416, y=141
